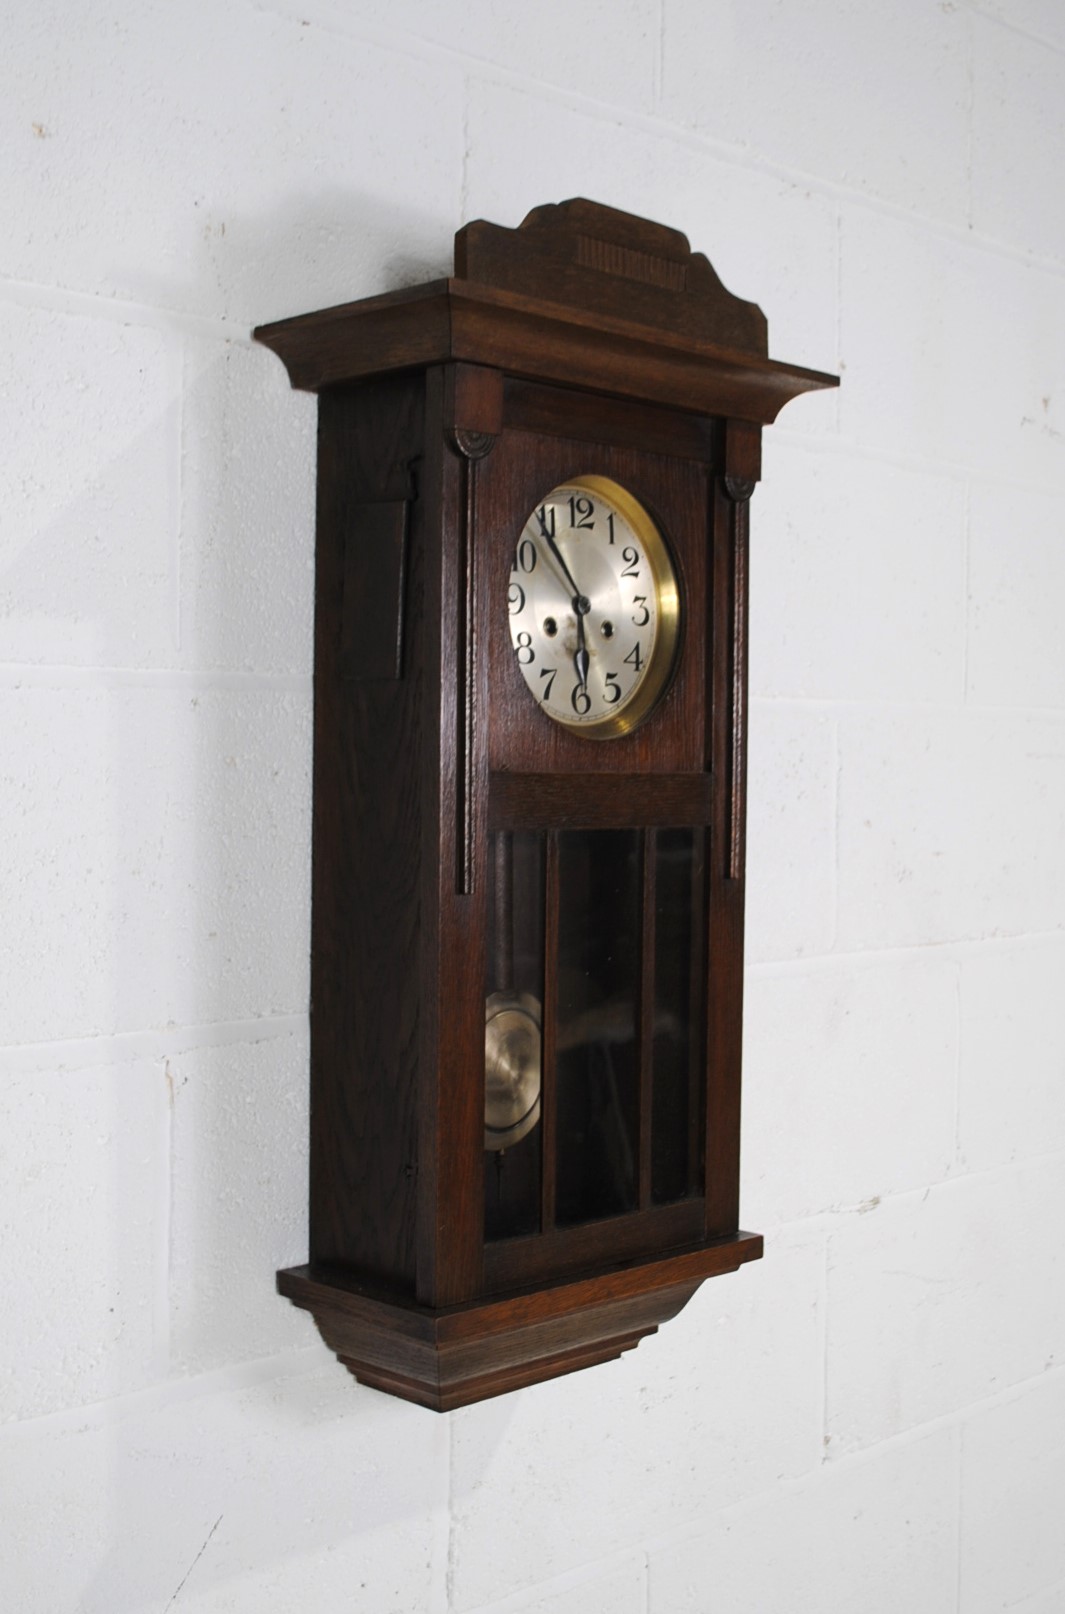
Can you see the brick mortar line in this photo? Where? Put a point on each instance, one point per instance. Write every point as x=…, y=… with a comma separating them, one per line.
x=402, y=43
x=810, y=1478
x=111, y=1411
x=844, y=706
x=840, y=445
x=1015, y=28
x=828, y=1222
x=128, y=1047
x=43, y=674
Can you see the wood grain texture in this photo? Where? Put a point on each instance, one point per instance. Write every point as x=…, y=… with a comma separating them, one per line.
x=605, y=261
x=739, y=493
x=548, y=1059
x=536, y=340
x=609, y=1243
x=586, y=342
x=597, y=418
x=602, y=801
x=454, y=924
x=448, y=1357
x=646, y=1014
x=366, y=859
x=727, y=741
x=372, y=610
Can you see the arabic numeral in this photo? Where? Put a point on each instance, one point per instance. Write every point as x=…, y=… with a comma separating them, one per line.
x=546, y=518
x=612, y=693
x=526, y=653
x=516, y=599
x=642, y=621
x=582, y=701
x=550, y=673
x=525, y=559
x=634, y=659
x=580, y=507
x=630, y=556
x=610, y=526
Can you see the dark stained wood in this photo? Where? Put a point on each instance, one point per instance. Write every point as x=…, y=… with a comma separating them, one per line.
x=537, y=340
x=367, y=859
x=399, y=330
x=739, y=493
x=450, y=1356
x=604, y=801
x=451, y=1129
x=614, y=1242
x=699, y=985
x=586, y=342
x=580, y=295
x=595, y=418
x=375, y=556
x=727, y=740
x=646, y=1016
x=549, y=1089
x=472, y=447
x=603, y=261
x=743, y=452
x=473, y=406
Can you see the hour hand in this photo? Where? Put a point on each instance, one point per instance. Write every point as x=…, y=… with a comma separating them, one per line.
x=580, y=660
x=581, y=605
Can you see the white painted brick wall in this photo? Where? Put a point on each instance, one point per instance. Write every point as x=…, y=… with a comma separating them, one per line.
x=870, y=1418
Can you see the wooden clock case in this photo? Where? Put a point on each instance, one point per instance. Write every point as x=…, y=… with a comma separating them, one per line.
x=587, y=340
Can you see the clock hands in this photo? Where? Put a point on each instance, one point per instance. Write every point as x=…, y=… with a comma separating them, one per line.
x=581, y=605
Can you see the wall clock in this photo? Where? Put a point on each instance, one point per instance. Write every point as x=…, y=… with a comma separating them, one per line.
x=529, y=799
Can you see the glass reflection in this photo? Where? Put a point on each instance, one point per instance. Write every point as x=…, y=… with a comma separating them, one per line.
x=513, y=1015
x=676, y=1127
x=599, y=881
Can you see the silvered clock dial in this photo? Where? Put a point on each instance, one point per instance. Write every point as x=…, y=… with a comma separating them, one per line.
x=594, y=608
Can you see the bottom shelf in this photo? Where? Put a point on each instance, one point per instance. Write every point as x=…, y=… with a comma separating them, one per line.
x=460, y=1354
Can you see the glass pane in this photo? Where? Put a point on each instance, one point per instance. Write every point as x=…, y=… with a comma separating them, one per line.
x=513, y=1016
x=599, y=883
x=677, y=1105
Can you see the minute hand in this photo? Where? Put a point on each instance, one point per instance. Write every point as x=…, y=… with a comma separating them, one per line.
x=567, y=574
x=581, y=606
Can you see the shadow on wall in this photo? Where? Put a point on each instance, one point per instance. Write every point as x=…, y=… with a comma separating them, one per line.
x=306, y=255
x=208, y=770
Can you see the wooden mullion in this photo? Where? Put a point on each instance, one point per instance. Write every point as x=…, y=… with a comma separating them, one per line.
x=548, y=1055
x=725, y=952
x=697, y=987
x=649, y=841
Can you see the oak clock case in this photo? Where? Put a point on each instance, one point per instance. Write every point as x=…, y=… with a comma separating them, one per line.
x=529, y=800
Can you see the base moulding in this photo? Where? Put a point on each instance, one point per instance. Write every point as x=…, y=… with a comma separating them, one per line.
x=454, y=1355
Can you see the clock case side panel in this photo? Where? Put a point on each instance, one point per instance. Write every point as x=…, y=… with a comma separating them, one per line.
x=372, y=748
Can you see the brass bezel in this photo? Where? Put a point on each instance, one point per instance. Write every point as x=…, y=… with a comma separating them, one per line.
x=667, y=605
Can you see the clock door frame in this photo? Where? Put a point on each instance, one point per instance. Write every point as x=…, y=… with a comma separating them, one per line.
x=544, y=778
